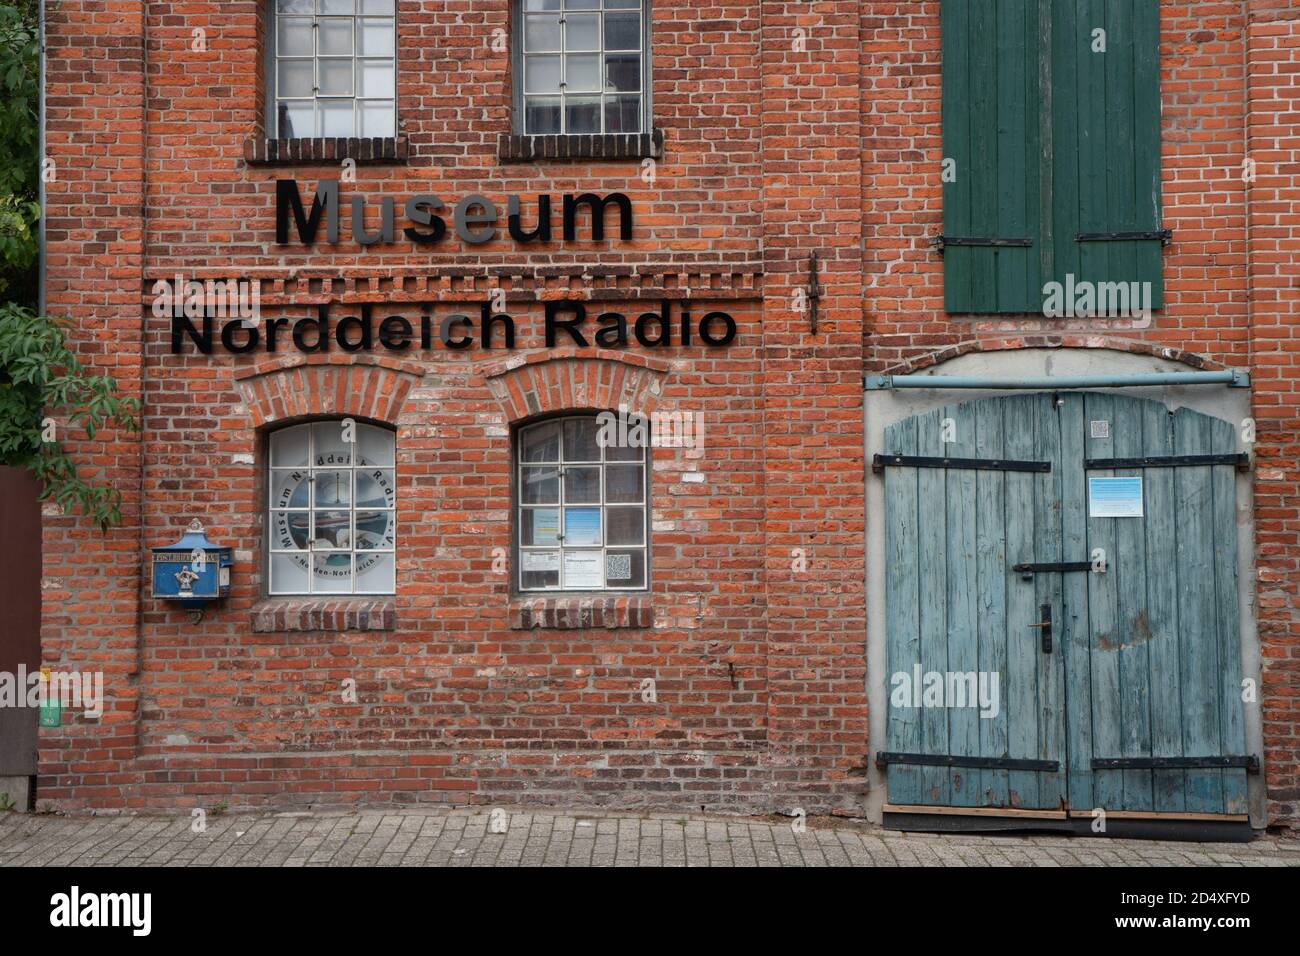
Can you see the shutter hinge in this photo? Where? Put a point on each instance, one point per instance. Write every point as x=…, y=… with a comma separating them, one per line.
x=1165, y=236
x=940, y=241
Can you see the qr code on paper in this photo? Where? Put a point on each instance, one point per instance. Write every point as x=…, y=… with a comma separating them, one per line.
x=618, y=567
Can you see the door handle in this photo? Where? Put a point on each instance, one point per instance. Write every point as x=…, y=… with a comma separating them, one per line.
x=1045, y=627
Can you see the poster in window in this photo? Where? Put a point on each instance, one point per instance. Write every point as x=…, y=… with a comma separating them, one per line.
x=581, y=527
x=545, y=527
x=537, y=561
x=583, y=569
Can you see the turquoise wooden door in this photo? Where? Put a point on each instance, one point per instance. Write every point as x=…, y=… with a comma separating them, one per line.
x=1102, y=653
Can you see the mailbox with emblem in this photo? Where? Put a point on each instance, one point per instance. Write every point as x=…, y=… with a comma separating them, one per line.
x=193, y=571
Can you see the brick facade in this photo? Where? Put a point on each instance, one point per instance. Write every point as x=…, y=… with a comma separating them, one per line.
x=785, y=129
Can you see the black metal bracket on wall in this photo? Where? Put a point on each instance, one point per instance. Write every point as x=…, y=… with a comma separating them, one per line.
x=880, y=462
x=814, y=293
x=884, y=758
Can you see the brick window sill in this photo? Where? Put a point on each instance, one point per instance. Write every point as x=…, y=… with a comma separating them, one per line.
x=299, y=152
x=275, y=615
x=581, y=612
x=608, y=146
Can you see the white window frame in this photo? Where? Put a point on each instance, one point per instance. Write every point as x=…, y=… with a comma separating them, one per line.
x=274, y=58
x=520, y=508
x=311, y=468
x=520, y=56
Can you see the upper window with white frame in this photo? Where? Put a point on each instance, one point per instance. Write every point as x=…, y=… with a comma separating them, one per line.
x=582, y=67
x=331, y=518
x=333, y=69
x=581, y=508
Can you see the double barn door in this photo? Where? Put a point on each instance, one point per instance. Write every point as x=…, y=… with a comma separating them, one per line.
x=1114, y=640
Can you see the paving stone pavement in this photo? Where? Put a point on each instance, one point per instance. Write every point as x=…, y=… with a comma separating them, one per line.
x=550, y=837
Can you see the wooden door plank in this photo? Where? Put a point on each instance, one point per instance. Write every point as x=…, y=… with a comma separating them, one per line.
x=1021, y=675
x=933, y=592
x=1105, y=629
x=1129, y=567
x=991, y=513
x=902, y=627
x=1232, y=734
x=962, y=592
x=1075, y=637
x=1055, y=539
x=1163, y=612
x=1194, y=504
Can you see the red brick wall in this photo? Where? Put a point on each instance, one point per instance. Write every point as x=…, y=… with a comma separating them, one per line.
x=1274, y=223
x=790, y=129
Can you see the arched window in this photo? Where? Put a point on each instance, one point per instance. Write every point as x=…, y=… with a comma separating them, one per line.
x=581, y=506
x=331, y=523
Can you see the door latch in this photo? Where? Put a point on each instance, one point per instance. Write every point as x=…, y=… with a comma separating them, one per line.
x=1045, y=627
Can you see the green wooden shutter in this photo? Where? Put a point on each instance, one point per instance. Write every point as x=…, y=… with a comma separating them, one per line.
x=1051, y=142
x=1106, y=141
x=991, y=132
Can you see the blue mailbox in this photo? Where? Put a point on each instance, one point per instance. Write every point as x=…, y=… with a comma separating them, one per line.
x=193, y=571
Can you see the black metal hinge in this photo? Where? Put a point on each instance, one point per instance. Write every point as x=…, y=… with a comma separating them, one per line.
x=1165, y=236
x=814, y=293
x=1027, y=571
x=1248, y=761
x=885, y=758
x=940, y=241
x=880, y=462
x=1240, y=462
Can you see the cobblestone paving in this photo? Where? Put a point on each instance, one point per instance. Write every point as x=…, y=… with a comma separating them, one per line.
x=551, y=837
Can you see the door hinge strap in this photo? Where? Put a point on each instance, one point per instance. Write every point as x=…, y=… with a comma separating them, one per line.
x=1165, y=236
x=880, y=462
x=1241, y=462
x=885, y=758
x=940, y=241
x=1249, y=761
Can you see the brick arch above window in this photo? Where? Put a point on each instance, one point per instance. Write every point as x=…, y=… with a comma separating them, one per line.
x=587, y=378
x=327, y=386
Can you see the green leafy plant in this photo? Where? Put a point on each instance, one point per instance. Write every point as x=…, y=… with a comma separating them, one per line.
x=6, y=803
x=37, y=372
x=19, y=150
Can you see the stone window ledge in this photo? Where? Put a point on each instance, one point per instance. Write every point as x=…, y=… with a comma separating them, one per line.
x=581, y=612
x=532, y=149
x=325, y=149
x=324, y=614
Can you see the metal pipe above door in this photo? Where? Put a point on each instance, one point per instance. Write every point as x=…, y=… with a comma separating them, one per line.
x=1233, y=378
